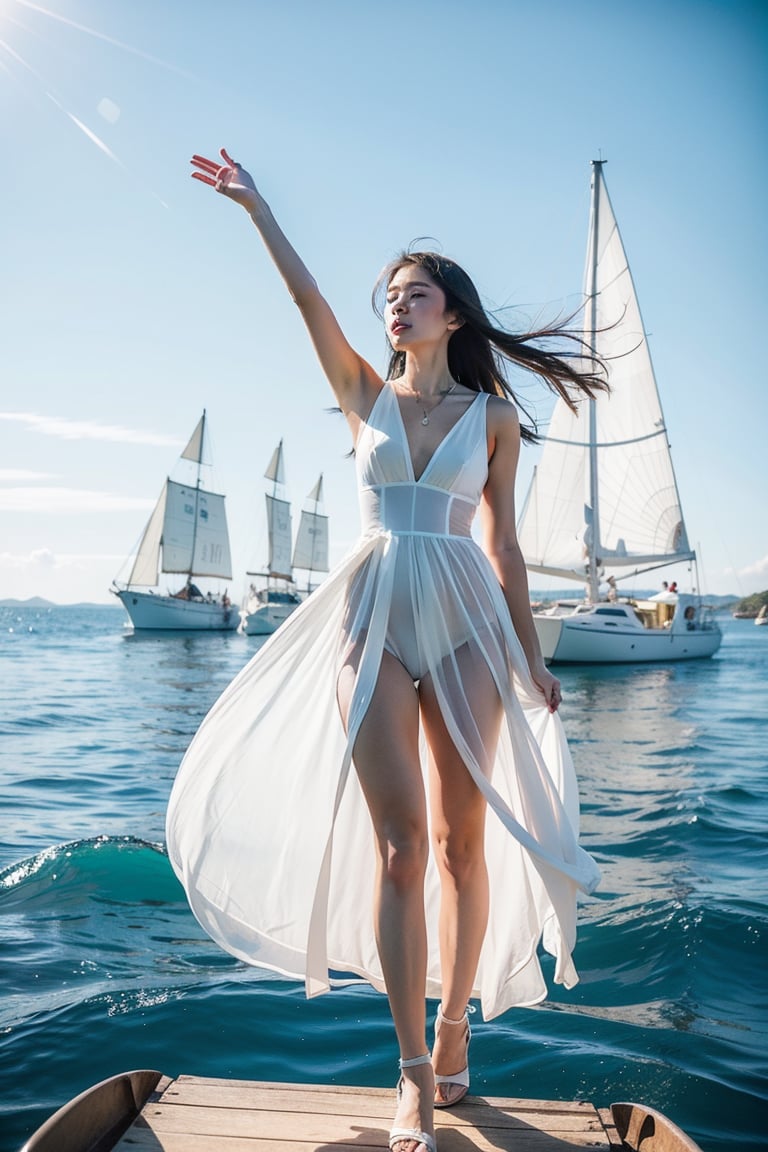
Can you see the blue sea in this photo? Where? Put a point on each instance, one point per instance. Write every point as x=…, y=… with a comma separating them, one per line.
x=103, y=967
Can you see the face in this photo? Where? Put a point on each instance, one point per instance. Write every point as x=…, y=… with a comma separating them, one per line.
x=415, y=312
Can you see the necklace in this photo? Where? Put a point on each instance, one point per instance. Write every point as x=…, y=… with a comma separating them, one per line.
x=428, y=412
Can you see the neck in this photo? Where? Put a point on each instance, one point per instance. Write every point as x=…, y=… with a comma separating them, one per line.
x=427, y=375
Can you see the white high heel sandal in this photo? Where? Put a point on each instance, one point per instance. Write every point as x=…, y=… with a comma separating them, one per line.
x=458, y=1079
x=398, y=1134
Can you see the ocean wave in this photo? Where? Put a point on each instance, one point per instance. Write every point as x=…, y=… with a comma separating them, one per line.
x=114, y=868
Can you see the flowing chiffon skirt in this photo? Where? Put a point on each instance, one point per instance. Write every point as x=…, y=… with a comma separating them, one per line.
x=267, y=827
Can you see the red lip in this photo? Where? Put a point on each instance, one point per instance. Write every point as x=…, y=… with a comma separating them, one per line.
x=398, y=326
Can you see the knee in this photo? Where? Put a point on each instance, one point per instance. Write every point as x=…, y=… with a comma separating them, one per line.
x=404, y=858
x=459, y=855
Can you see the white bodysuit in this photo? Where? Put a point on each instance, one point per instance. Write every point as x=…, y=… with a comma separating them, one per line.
x=267, y=827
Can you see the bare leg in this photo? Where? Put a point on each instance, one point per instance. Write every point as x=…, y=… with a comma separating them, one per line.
x=458, y=831
x=386, y=756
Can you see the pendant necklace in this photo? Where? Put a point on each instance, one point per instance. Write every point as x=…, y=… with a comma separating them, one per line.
x=417, y=396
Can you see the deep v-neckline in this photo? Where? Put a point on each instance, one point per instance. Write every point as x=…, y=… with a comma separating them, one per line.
x=406, y=443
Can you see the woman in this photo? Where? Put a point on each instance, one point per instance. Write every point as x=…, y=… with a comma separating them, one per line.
x=418, y=660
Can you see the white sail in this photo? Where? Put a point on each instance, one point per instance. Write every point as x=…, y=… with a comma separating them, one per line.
x=147, y=562
x=195, y=538
x=194, y=449
x=279, y=527
x=275, y=470
x=187, y=531
x=311, y=548
x=317, y=492
x=605, y=489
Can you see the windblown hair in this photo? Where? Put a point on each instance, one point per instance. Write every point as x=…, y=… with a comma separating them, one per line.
x=479, y=352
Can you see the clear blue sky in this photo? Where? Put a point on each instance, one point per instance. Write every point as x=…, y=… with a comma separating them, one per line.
x=132, y=298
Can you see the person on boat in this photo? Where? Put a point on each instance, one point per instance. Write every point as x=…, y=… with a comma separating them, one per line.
x=613, y=592
x=417, y=660
x=190, y=591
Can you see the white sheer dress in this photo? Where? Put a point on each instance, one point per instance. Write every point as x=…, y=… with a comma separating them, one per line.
x=267, y=827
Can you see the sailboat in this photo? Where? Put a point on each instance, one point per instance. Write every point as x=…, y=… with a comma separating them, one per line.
x=266, y=607
x=604, y=496
x=186, y=536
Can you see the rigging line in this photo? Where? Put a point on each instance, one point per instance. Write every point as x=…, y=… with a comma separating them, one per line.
x=599, y=291
x=603, y=444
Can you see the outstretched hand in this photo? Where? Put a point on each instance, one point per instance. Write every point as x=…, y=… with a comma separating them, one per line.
x=228, y=178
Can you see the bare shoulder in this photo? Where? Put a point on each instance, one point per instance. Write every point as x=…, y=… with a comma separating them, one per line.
x=502, y=420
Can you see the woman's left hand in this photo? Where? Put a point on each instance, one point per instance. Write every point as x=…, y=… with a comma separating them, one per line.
x=549, y=685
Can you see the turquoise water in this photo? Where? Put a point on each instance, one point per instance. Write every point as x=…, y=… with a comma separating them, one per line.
x=103, y=968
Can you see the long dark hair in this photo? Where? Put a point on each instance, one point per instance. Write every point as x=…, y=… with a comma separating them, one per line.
x=479, y=351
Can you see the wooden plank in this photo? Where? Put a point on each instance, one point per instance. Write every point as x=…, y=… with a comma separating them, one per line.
x=185, y=1086
x=380, y=1103
x=215, y=1115
x=147, y=1142
x=450, y=1140
x=325, y=1127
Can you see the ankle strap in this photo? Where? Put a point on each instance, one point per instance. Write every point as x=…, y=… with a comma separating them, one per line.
x=446, y=1020
x=425, y=1059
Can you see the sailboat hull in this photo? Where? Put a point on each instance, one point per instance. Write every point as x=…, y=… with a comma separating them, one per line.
x=614, y=635
x=267, y=609
x=169, y=613
x=266, y=620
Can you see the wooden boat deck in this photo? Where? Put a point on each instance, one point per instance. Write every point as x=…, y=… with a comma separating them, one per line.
x=147, y=1112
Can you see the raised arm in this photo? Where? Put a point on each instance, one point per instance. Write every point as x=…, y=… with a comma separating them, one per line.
x=352, y=379
x=500, y=540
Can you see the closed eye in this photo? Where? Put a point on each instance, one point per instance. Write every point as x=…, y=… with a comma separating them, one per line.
x=412, y=296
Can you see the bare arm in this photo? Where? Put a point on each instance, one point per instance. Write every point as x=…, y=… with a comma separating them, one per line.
x=352, y=379
x=500, y=540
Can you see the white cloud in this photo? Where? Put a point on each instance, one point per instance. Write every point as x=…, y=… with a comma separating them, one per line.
x=43, y=559
x=22, y=475
x=69, y=500
x=64, y=578
x=759, y=568
x=66, y=429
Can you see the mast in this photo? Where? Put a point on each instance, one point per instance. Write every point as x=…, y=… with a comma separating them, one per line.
x=197, y=498
x=592, y=534
x=618, y=444
x=278, y=522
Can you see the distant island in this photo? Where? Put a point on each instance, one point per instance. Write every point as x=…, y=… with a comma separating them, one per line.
x=33, y=602
x=39, y=602
x=749, y=607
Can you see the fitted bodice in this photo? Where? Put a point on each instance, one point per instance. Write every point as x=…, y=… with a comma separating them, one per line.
x=444, y=499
